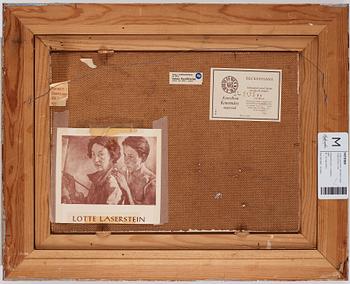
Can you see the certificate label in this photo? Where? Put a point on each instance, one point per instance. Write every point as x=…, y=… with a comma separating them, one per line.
x=245, y=94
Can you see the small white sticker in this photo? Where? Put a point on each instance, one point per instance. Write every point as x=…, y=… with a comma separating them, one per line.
x=89, y=62
x=333, y=163
x=185, y=78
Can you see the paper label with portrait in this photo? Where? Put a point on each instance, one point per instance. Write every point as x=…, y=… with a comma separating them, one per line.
x=245, y=94
x=108, y=176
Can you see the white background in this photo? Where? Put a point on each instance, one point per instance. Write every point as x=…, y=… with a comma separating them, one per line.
x=18, y=2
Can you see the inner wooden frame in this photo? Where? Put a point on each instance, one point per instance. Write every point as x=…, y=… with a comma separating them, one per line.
x=307, y=97
x=321, y=42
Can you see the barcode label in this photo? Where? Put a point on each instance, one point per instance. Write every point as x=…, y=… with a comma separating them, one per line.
x=333, y=162
x=334, y=190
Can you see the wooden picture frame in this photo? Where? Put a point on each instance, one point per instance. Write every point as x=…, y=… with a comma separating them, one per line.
x=317, y=32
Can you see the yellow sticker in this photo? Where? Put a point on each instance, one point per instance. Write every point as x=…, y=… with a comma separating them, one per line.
x=59, y=94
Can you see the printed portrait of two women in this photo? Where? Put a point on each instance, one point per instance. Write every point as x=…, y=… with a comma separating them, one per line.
x=109, y=170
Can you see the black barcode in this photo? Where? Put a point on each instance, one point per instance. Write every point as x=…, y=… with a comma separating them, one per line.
x=334, y=190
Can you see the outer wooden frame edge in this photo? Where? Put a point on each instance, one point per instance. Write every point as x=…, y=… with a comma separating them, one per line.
x=170, y=265
x=330, y=26
x=333, y=115
x=174, y=19
x=18, y=171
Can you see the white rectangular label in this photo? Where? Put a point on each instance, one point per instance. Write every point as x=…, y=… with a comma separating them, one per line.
x=333, y=163
x=245, y=94
x=185, y=78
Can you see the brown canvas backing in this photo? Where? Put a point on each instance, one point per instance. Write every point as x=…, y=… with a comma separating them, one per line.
x=223, y=175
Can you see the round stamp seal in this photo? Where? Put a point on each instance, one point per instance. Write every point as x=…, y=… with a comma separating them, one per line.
x=198, y=76
x=229, y=84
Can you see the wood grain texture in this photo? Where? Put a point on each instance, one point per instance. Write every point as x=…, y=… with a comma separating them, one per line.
x=333, y=117
x=176, y=254
x=176, y=241
x=173, y=269
x=176, y=42
x=18, y=143
x=328, y=23
x=174, y=19
x=308, y=73
x=198, y=29
x=42, y=143
x=222, y=241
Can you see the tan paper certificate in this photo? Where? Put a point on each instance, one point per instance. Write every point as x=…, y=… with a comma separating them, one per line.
x=245, y=94
x=108, y=175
